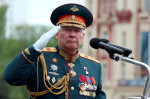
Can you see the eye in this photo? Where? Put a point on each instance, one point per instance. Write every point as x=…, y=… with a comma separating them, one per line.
x=78, y=30
x=66, y=29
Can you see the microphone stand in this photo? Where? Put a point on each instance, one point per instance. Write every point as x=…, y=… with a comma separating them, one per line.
x=130, y=60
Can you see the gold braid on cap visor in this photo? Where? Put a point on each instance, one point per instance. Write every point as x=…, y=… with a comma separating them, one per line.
x=71, y=20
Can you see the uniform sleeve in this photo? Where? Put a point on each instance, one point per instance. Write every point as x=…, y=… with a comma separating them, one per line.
x=20, y=69
x=100, y=94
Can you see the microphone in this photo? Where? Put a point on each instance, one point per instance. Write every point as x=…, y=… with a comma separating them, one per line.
x=99, y=43
x=127, y=51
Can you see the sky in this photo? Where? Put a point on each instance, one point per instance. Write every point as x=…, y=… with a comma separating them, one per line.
x=39, y=11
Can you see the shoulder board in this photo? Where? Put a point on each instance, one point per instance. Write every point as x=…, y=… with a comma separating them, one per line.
x=49, y=49
x=90, y=58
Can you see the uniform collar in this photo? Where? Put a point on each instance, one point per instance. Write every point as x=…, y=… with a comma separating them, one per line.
x=67, y=57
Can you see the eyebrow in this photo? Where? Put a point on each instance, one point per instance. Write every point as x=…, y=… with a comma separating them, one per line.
x=72, y=27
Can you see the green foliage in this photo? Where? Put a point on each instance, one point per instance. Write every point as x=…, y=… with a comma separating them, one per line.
x=3, y=10
x=4, y=89
x=22, y=37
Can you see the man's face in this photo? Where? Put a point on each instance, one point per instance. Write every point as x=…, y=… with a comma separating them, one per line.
x=70, y=38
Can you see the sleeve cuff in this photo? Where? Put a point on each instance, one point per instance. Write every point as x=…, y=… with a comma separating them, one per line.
x=30, y=54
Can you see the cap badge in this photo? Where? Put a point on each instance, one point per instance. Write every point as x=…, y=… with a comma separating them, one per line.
x=74, y=9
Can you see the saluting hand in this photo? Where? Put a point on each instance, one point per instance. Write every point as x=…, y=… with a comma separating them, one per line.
x=44, y=39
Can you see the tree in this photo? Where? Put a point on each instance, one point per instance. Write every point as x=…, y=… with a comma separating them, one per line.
x=22, y=37
x=3, y=10
x=3, y=87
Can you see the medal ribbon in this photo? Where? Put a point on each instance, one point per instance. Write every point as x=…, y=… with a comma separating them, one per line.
x=88, y=79
x=91, y=80
x=81, y=78
x=94, y=82
x=85, y=79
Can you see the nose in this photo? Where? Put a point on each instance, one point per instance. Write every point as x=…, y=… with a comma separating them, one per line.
x=72, y=33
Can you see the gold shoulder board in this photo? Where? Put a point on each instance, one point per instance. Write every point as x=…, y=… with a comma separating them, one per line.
x=90, y=58
x=49, y=49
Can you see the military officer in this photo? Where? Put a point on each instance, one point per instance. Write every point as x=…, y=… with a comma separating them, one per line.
x=59, y=72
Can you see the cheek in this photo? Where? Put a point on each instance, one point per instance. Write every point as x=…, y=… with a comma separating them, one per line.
x=81, y=39
x=62, y=38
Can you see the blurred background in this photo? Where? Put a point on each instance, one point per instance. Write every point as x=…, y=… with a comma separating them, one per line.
x=122, y=22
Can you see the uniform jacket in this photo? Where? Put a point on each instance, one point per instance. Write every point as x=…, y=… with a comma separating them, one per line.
x=26, y=69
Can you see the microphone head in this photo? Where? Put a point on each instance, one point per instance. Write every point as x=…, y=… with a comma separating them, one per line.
x=94, y=42
x=104, y=40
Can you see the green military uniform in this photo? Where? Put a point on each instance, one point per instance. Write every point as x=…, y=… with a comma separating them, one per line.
x=27, y=69
x=52, y=73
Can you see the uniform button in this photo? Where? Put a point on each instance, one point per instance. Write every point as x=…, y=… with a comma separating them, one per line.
x=72, y=88
x=48, y=78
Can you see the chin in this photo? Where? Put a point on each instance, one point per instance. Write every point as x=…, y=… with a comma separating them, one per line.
x=72, y=47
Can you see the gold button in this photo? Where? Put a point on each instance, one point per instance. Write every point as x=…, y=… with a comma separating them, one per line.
x=72, y=88
x=48, y=78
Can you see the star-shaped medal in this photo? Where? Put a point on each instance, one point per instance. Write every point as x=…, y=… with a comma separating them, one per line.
x=54, y=67
x=73, y=73
x=71, y=65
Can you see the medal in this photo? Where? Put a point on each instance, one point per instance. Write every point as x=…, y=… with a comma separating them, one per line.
x=54, y=73
x=88, y=93
x=93, y=94
x=83, y=89
x=85, y=93
x=95, y=87
x=71, y=65
x=90, y=87
x=54, y=60
x=58, y=79
x=54, y=67
x=87, y=85
x=53, y=79
x=73, y=73
x=81, y=93
x=85, y=68
x=87, y=72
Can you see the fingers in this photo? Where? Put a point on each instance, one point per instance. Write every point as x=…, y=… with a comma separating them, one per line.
x=44, y=39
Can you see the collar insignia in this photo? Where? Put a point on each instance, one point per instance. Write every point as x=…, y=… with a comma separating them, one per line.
x=68, y=57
